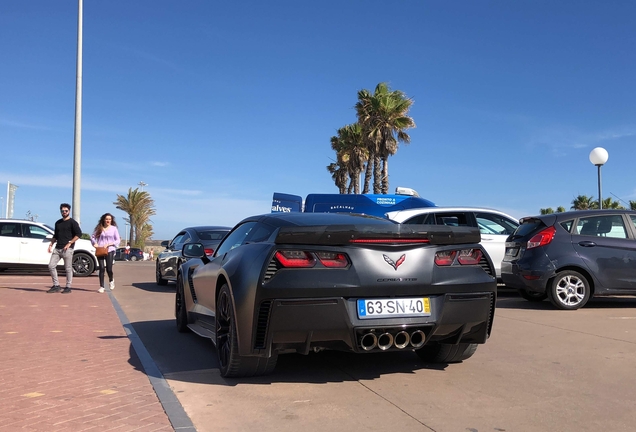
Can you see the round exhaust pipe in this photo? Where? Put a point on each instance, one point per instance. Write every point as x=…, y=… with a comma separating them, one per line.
x=369, y=341
x=402, y=340
x=417, y=338
x=385, y=340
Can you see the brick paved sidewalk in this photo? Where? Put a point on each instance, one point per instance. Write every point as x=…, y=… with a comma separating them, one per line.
x=66, y=363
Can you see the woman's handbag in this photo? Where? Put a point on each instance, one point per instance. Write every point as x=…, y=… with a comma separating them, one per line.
x=101, y=251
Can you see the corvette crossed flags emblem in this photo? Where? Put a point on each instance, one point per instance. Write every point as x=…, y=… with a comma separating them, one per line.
x=395, y=264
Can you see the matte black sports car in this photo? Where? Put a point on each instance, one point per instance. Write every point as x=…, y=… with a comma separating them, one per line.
x=301, y=282
x=170, y=259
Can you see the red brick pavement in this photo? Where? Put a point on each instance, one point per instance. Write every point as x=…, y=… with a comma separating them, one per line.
x=66, y=363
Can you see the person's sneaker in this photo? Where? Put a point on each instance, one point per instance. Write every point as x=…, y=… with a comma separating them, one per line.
x=100, y=290
x=66, y=290
x=54, y=289
x=112, y=284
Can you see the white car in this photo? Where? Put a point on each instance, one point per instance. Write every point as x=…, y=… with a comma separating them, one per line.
x=494, y=225
x=26, y=243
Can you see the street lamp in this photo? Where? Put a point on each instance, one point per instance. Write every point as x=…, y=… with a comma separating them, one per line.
x=598, y=157
x=142, y=184
x=126, y=234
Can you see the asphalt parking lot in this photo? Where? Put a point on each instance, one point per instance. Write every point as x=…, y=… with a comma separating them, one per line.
x=542, y=370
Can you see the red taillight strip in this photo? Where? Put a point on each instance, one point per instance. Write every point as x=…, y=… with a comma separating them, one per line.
x=388, y=241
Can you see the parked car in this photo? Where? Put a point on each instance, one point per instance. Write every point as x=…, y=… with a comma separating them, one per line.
x=301, y=282
x=25, y=243
x=170, y=259
x=135, y=254
x=570, y=257
x=494, y=226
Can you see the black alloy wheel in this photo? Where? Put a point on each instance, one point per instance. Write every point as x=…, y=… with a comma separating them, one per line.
x=83, y=264
x=231, y=364
x=180, y=310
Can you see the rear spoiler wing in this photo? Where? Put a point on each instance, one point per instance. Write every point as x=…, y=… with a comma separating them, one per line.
x=400, y=233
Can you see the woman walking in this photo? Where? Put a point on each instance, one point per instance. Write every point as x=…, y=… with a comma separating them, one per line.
x=106, y=234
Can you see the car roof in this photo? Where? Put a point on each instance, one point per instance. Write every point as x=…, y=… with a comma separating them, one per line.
x=404, y=214
x=317, y=219
x=581, y=213
x=207, y=228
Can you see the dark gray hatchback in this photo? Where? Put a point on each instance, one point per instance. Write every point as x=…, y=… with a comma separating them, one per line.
x=572, y=256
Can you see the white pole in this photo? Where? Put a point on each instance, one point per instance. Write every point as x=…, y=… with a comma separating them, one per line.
x=77, y=155
x=6, y=212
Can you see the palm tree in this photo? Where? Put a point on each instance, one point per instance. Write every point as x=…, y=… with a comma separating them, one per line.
x=383, y=117
x=545, y=211
x=584, y=202
x=610, y=203
x=560, y=209
x=351, y=153
x=632, y=205
x=339, y=175
x=139, y=206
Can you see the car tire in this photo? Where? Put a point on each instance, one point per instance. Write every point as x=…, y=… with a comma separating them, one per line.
x=133, y=258
x=83, y=264
x=532, y=296
x=180, y=309
x=231, y=364
x=160, y=281
x=446, y=353
x=569, y=290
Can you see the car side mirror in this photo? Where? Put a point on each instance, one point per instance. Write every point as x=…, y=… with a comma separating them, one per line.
x=193, y=250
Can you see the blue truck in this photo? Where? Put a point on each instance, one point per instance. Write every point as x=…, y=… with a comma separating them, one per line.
x=370, y=204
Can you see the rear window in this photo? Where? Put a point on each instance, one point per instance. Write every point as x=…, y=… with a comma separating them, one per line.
x=528, y=226
x=211, y=235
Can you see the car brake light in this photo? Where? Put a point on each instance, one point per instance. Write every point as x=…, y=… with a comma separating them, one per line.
x=445, y=258
x=542, y=238
x=389, y=240
x=333, y=259
x=469, y=256
x=295, y=259
x=208, y=251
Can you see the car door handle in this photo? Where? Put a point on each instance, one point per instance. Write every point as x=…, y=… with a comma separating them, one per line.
x=587, y=243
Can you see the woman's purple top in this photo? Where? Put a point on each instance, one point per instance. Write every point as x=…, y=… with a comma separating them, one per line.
x=108, y=236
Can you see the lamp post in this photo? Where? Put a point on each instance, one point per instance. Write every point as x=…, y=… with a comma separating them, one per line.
x=126, y=234
x=142, y=184
x=598, y=157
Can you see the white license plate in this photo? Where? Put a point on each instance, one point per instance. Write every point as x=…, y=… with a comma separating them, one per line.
x=403, y=307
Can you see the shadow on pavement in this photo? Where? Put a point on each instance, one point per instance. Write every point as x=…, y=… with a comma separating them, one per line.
x=190, y=358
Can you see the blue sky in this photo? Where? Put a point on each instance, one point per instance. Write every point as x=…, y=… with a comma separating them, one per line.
x=216, y=105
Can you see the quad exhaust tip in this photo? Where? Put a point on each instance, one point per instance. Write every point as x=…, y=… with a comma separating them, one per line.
x=386, y=340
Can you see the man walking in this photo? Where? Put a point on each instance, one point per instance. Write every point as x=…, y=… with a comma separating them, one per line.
x=67, y=232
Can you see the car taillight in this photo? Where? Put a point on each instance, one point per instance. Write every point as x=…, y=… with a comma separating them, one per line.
x=445, y=258
x=390, y=240
x=295, y=259
x=333, y=259
x=208, y=251
x=542, y=238
x=464, y=257
x=469, y=256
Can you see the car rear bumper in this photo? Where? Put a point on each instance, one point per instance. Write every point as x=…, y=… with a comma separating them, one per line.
x=302, y=325
x=518, y=277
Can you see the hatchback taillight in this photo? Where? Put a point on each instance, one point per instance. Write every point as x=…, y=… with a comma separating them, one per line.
x=208, y=251
x=542, y=238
